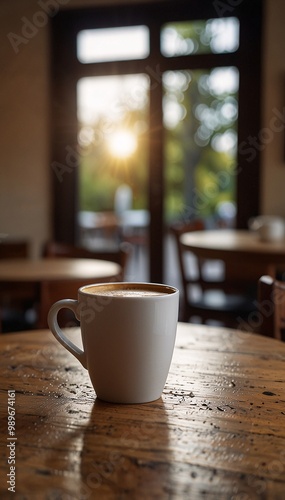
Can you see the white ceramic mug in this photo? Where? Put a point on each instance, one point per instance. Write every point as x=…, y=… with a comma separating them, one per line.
x=128, y=334
x=268, y=227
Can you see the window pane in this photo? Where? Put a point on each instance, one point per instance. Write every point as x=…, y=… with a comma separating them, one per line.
x=200, y=37
x=113, y=44
x=113, y=122
x=200, y=111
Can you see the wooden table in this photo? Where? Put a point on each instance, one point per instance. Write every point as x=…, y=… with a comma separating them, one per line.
x=217, y=432
x=236, y=247
x=28, y=270
x=26, y=278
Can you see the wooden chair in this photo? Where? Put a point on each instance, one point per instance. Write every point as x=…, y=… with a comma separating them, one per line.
x=271, y=308
x=14, y=249
x=224, y=297
x=15, y=300
x=120, y=256
x=51, y=292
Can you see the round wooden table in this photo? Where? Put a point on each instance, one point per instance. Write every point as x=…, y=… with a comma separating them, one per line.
x=236, y=246
x=26, y=270
x=217, y=432
x=44, y=281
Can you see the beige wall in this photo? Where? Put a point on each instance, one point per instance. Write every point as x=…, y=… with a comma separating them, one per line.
x=24, y=116
x=24, y=168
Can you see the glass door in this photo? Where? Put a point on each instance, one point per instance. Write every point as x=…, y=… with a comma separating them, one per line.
x=148, y=97
x=200, y=150
x=200, y=120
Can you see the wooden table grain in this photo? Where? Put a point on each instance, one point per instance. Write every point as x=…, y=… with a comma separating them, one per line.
x=217, y=432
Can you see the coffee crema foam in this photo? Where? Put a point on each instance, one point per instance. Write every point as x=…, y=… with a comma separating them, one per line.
x=129, y=290
x=128, y=293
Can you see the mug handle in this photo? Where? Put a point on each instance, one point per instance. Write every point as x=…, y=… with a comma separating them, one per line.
x=58, y=333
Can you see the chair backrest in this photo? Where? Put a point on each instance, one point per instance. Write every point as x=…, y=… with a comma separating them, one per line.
x=51, y=292
x=120, y=256
x=177, y=230
x=214, y=280
x=14, y=249
x=271, y=307
x=13, y=297
x=231, y=279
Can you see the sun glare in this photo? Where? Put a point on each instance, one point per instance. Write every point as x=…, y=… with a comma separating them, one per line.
x=122, y=144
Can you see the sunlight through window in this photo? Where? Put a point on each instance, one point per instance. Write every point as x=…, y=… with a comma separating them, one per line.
x=122, y=144
x=113, y=44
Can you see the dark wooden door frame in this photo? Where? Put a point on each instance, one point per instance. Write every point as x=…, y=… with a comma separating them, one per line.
x=66, y=70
